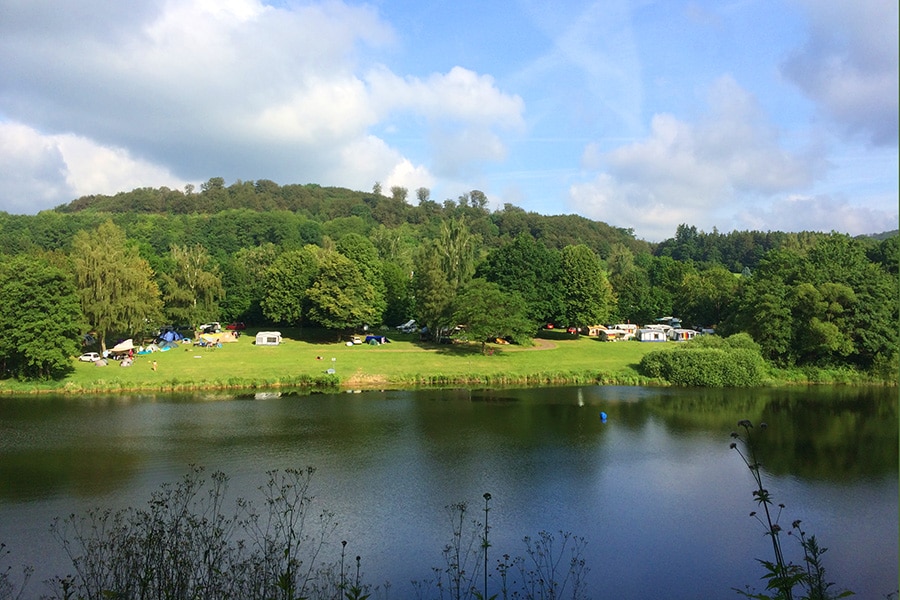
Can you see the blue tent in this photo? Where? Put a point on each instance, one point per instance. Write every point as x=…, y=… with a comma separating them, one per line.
x=171, y=336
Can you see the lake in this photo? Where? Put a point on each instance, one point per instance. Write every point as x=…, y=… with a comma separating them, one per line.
x=661, y=501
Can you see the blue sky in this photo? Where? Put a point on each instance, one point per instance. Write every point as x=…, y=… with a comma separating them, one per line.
x=767, y=115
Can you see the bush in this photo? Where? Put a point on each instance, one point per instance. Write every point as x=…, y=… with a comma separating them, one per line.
x=712, y=362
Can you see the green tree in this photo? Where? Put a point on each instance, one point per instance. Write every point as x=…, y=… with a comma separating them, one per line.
x=434, y=295
x=362, y=252
x=443, y=267
x=534, y=271
x=193, y=289
x=397, y=293
x=704, y=296
x=488, y=312
x=40, y=317
x=666, y=276
x=457, y=249
x=239, y=303
x=286, y=283
x=826, y=305
x=341, y=297
x=589, y=298
x=244, y=279
x=636, y=299
x=115, y=285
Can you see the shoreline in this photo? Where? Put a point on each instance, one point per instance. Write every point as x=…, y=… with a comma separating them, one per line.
x=379, y=383
x=406, y=363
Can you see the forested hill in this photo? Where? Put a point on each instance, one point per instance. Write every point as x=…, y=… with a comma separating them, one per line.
x=257, y=212
x=391, y=209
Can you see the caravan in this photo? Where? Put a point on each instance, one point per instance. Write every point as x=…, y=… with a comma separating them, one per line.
x=268, y=338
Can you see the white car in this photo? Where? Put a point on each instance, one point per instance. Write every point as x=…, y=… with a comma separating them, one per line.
x=89, y=357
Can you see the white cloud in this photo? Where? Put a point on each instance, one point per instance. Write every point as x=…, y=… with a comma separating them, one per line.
x=460, y=94
x=240, y=89
x=849, y=66
x=407, y=175
x=818, y=213
x=94, y=169
x=33, y=172
x=694, y=172
x=41, y=172
x=365, y=161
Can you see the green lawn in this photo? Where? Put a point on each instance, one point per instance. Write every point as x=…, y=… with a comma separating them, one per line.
x=306, y=355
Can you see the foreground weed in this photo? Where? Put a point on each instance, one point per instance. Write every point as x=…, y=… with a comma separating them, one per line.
x=785, y=580
x=9, y=588
x=553, y=568
x=185, y=545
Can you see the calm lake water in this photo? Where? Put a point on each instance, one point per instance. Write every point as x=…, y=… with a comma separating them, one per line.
x=661, y=500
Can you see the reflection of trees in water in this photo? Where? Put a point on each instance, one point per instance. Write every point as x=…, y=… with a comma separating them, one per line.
x=816, y=433
x=86, y=472
x=826, y=433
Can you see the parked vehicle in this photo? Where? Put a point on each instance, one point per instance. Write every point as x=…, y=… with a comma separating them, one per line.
x=89, y=357
x=408, y=327
x=214, y=327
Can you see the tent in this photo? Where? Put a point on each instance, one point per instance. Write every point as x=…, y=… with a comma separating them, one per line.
x=268, y=338
x=123, y=347
x=218, y=338
x=171, y=336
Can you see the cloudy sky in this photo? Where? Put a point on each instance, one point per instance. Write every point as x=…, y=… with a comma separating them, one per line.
x=744, y=114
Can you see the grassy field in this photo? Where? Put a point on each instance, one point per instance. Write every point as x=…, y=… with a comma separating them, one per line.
x=305, y=356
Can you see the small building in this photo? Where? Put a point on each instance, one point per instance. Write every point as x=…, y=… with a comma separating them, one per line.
x=650, y=335
x=268, y=338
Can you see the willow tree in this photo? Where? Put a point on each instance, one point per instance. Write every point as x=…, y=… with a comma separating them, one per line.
x=443, y=267
x=457, y=249
x=115, y=285
x=194, y=287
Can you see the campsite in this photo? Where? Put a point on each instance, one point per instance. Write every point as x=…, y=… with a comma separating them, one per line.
x=303, y=356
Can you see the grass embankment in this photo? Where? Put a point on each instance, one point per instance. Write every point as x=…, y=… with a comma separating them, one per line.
x=305, y=356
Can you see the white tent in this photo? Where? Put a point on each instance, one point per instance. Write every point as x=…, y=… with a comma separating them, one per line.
x=268, y=338
x=123, y=347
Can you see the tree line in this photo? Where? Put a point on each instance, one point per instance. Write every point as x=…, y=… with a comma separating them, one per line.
x=124, y=265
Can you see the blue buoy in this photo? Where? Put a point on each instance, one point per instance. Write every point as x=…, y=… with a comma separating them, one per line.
x=602, y=416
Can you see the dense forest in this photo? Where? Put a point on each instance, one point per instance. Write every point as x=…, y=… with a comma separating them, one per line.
x=297, y=255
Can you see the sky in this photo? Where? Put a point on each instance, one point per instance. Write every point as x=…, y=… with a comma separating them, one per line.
x=734, y=115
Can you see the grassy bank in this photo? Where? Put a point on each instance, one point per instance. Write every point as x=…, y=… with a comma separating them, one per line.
x=306, y=356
